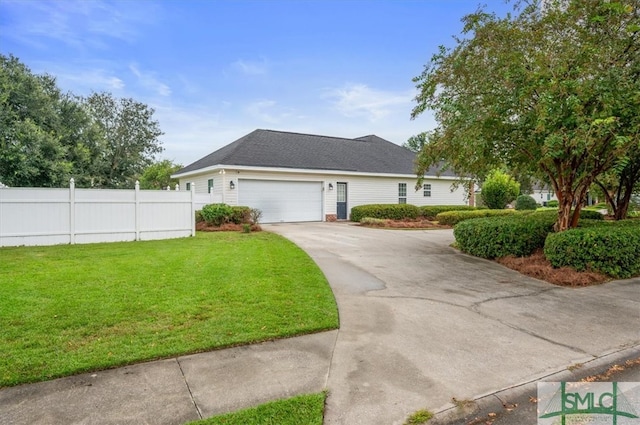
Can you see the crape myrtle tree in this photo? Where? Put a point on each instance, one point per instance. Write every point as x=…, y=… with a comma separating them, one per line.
x=552, y=91
x=620, y=184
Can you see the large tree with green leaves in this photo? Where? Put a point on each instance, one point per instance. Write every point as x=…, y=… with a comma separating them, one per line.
x=129, y=139
x=32, y=145
x=47, y=137
x=552, y=91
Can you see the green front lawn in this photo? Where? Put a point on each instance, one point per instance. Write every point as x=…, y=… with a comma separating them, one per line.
x=74, y=308
x=301, y=410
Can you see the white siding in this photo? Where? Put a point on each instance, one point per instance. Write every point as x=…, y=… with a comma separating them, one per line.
x=361, y=190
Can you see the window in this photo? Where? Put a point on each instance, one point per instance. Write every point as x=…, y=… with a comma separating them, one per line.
x=427, y=189
x=188, y=186
x=402, y=193
x=209, y=185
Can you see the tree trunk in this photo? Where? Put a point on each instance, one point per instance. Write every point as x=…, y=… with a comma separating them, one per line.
x=564, y=213
x=623, y=204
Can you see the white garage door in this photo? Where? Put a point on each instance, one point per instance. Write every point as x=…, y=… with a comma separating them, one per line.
x=282, y=201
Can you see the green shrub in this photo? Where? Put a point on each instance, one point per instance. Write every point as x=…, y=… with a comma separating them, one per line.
x=240, y=215
x=611, y=249
x=255, y=215
x=246, y=228
x=451, y=218
x=590, y=215
x=553, y=204
x=385, y=211
x=199, y=217
x=431, y=211
x=216, y=214
x=372, y=221
x=495, y=237
x=499, y=189
x=525, y=202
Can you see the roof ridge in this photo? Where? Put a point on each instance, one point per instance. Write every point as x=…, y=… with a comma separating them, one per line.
x=307, y=134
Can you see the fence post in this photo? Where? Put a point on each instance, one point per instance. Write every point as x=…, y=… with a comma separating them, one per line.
x=193, y=209
x=177, y=187
x=137, y=194
x=72, y=211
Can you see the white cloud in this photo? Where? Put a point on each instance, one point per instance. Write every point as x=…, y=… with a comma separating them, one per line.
x=359, y=100
x=251, y=67
x=268, y=111
x=149, y=81
x=80, y=24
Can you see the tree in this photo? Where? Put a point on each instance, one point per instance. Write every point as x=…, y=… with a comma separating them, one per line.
x=158, y=175
x=32, y=149
x=47, y=137
x=415, y=143
x=130, y=139
x=552, y=93
x=498, y=190
x=619, y=185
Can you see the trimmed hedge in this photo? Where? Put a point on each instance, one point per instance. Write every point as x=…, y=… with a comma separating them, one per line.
x=454, y=217
x=611, y=249
x=590, y=215
x=553, y=204
x=219, y=214
x=518, y=234
x=525, y=202
x=495, y=237
x=216, y=214
x=240, y=215
x=431, y=211
x=385, y=211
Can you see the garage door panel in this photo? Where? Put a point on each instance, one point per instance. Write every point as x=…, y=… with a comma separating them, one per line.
x=282, y=201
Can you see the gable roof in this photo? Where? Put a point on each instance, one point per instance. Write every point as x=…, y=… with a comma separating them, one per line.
x=279, y=149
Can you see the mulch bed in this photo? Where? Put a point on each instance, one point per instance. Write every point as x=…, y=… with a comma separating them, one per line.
x=227, y=227
x=538, y=266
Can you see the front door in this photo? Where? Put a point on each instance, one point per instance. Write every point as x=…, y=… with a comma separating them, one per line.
x=342, y=201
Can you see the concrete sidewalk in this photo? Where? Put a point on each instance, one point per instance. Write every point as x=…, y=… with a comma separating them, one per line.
x=420, y=324
x=179, y=390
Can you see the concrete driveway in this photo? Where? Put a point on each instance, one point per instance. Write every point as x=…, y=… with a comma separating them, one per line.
x=421, y=323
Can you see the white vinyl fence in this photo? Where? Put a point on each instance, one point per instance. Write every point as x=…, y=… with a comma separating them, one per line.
x=41, y=216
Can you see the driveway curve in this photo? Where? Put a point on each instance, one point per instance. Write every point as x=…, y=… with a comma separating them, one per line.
x=422, y=323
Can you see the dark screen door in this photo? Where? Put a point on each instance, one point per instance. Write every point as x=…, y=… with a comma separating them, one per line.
x=342, y=201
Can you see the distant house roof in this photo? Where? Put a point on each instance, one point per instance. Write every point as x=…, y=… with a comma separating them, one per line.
x=279, y=149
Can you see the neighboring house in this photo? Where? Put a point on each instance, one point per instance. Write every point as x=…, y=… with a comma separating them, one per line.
x=295, y=177
x=543, y=193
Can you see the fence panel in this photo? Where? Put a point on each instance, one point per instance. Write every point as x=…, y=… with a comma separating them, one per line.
x=40, y=216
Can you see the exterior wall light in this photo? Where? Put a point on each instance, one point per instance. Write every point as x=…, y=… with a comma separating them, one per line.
x=330, y=186
x=232, y=185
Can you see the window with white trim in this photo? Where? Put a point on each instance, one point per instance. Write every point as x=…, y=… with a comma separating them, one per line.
x=209, y=185
x=402, y=193
x=188, y=186
x=426, y=190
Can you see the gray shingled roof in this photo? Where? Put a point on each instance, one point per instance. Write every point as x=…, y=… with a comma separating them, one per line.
x=268, y=148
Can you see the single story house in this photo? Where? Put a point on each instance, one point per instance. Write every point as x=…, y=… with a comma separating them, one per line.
x=543, y=193
x=294, y=177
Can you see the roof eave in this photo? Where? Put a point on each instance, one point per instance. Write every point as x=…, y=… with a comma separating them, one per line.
x=221, y=167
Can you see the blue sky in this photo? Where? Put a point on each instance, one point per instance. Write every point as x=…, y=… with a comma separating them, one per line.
x=217, y=70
